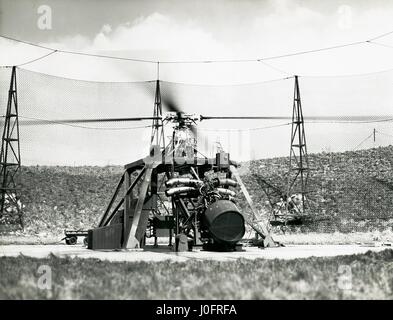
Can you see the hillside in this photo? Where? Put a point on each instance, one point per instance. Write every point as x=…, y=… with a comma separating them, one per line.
x=56, y=198
x=353, y=189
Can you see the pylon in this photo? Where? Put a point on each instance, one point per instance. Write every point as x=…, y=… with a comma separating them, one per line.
x=298, y=157
x=157, y=131
x=10, y=161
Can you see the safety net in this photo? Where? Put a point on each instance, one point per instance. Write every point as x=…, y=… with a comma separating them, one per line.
x=348, y=129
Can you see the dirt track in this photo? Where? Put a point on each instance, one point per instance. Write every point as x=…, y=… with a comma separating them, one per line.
x=164, y=253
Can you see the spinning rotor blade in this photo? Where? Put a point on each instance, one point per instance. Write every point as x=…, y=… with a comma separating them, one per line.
x=170, y=103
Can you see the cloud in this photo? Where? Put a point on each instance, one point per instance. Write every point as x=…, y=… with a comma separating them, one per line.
x=153, y=37
x=284, y=26
x=106, y=28
x=160, y=33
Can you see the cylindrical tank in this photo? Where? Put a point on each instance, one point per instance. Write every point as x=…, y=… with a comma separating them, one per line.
x=224, y=221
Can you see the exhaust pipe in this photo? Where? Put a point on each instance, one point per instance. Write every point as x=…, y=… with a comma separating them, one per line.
x=179, y=190
x=225, y=182
x=187, y=181
x=226, y=192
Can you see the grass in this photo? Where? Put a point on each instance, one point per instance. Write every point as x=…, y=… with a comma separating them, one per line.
x=311, y=278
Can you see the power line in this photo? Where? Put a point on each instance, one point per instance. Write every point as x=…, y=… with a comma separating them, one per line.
x=372, y=135
x=27, y=42
x=39, y=58
x=89, y=81
x=381, y=44
x=74, y=125
x=275, y=68
x=363, y=141
x=345, y=75
x=223, y=85
x=314, y=50
x=384, y=134
x=269, y=127
x=107, y=56
x=198, y=61
x=381, y=36
x=74, y=52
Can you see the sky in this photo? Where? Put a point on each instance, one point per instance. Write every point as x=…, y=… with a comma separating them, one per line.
x=193, y=30
x=213, y=30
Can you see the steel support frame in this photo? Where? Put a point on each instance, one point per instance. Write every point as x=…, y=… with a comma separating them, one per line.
x=272, y=192
x=125, y=201
x=298, y=157
x=157, y=131
x=135, y=229
x=255, y=223
x=10, y=159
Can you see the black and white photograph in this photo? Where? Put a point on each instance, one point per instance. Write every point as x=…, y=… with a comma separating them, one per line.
x=196, y=154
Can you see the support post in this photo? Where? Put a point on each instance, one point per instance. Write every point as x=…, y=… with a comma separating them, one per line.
x=10, y=161
x=137, y=228
x=105, y=215
x=127, y=205
x=258, y=226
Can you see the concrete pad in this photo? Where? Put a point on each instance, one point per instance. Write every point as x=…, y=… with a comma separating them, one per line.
x=162, y=253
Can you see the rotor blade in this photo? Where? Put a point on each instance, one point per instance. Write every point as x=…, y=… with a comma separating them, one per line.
x=33, y=121
x=170, y=103
x=241, y=118
x=309, y=118
x=360, y=119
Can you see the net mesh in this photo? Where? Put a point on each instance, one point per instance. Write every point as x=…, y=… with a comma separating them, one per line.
x=350, y=184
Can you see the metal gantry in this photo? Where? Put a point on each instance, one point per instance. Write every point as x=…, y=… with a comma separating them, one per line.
x=10, y=161
x=157, y=132
x=298, y=157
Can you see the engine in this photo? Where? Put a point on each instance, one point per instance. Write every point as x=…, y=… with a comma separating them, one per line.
x=207, y=211
x=223, y=222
